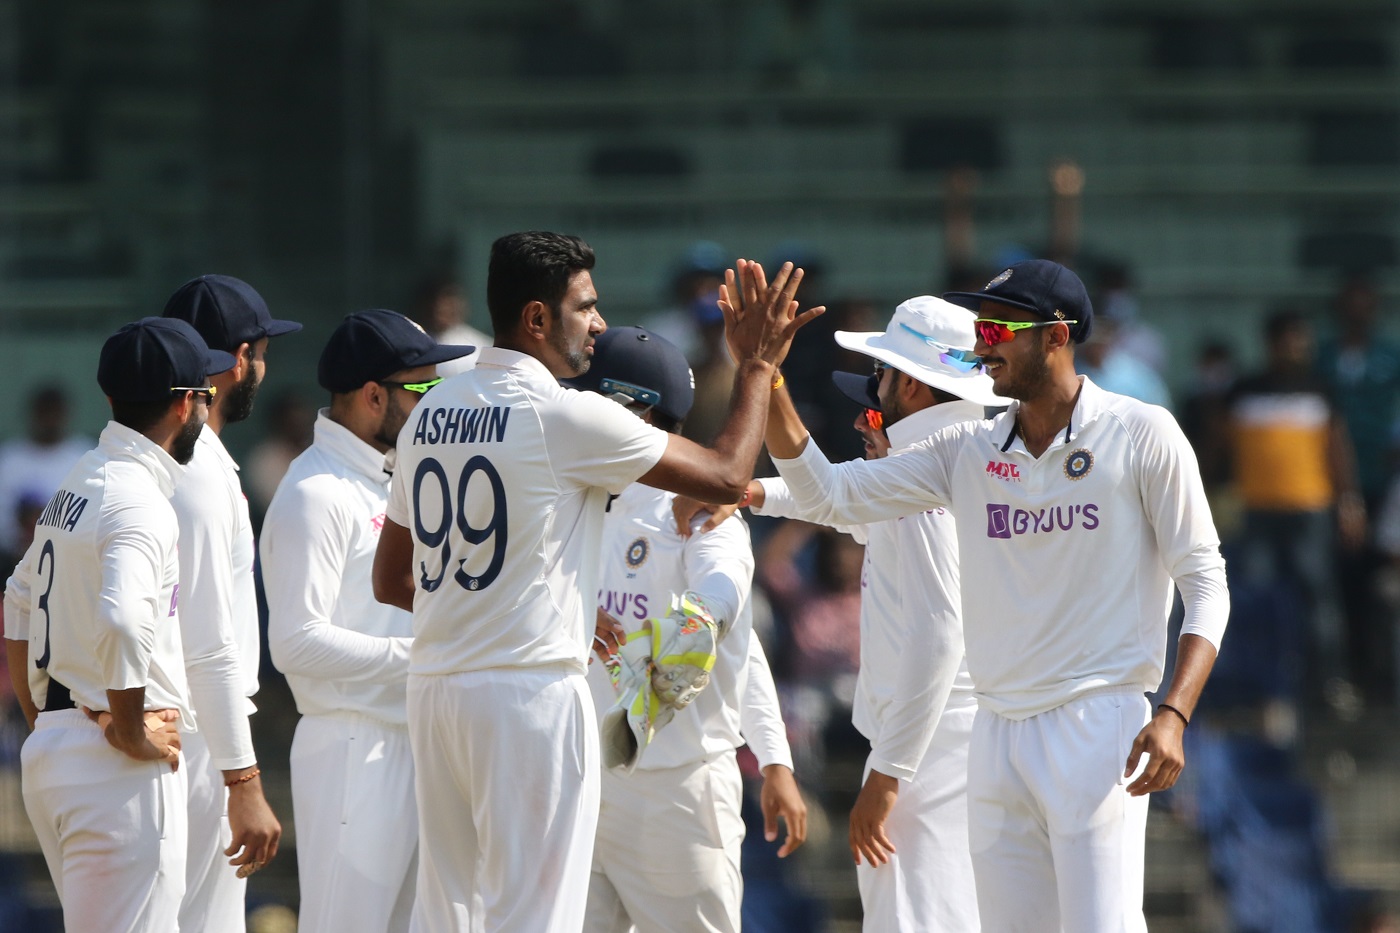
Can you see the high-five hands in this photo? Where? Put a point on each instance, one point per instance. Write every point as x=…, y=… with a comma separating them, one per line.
x=760, y=319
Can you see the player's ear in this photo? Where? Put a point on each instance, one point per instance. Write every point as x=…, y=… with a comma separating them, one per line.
x=373, y=395
x=534, y=319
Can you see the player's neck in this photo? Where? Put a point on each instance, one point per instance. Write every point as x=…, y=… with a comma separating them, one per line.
x=1041, y=418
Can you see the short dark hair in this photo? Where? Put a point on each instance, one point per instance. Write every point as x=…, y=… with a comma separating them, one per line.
x=531, y=266
x=141, y=416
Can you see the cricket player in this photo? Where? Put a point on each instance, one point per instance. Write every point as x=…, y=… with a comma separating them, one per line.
x=345, y=655
x=228, y=814
x=492, y=540
x=1076, y=512
x=914, y=697
x=666, y=856
x=93, y=643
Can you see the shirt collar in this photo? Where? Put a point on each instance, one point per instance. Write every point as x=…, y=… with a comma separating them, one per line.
x=213, y=446
x=501, y=358
x=118, y=442
x=343, y=444
x=1087, y=408
x=926, y=422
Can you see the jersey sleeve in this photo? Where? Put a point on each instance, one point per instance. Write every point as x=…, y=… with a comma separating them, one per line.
x=206, y=620
x=596, y=442
x=1174, y=500
x=305, y=539
x=719, y=566
x=132, y=555
x=930, y=635
x=760, y=718
x=778, y=502
x=865, y=491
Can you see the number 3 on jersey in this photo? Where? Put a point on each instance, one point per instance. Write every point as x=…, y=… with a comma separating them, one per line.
x=452, y=509
x=46, y=553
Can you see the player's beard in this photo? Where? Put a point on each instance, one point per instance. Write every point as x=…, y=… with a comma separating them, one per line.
x=183, y=447
x=239, y=404
x=391, y=423
x=577, y=361
x=1032, y=377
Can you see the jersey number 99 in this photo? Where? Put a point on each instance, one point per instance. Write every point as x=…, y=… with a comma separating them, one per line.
x=453, y=509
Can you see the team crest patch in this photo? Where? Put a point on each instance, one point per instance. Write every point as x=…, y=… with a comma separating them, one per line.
x=1078, y=464
x=637, y=553
x=997, y=281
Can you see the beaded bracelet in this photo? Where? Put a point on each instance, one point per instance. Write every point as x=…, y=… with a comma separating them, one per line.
x=244, y=779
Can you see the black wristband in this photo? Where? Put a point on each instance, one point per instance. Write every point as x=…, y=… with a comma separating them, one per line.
x=1184, y=720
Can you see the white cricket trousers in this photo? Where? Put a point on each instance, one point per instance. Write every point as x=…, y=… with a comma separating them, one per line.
x=213, y=891
x=1057, y=842
x=112, y=829
x=506, y=774
x=667, y=855
x=357, y=824
x=927, y=885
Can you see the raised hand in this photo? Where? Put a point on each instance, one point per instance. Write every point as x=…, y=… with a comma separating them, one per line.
x=760, y=319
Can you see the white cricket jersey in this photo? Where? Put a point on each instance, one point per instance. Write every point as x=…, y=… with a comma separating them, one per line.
x=30, y=470
x=502, y=479
x=1067, y=560
x=645, y=563
x=341, y=650
x=911, y=632
x=220, y=621
x=95, y=595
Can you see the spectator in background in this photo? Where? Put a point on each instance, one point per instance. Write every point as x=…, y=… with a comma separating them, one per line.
x=1117, y=301
x=1363, y=371
x=822, y=638
x=1204, y=418
x=1114, y=369
x=291, y=420
x=692, y=300
x=440, y=308
x=31, y=467
x=1296, y=476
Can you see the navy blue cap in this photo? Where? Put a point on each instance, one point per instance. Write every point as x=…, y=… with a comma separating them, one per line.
x=863, y=390
x=646, y=367
x=148, y=358
x=226, y=312
x=371, y=345
x=1044, y=288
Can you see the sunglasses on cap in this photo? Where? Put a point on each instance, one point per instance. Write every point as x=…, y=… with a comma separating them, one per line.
x=992, y=332
x=964, y=361
x=207, y=391
x=417, y=388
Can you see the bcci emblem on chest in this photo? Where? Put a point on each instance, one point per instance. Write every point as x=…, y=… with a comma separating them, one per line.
x=637, y=553
x=1078, y=464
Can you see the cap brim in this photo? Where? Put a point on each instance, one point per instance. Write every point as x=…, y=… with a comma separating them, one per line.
x=442, y=353
x=859, y=389
x=276, y=328
x=219, y=362
x=975, y=386
x=973, y=300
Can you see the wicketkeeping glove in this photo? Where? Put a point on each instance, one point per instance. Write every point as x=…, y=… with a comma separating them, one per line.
x=630, y=724
x=683, y=648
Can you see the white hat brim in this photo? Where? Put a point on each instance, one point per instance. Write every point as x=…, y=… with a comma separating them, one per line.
x=975, y=386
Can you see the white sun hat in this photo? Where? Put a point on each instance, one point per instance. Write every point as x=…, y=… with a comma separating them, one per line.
x=931, y=340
